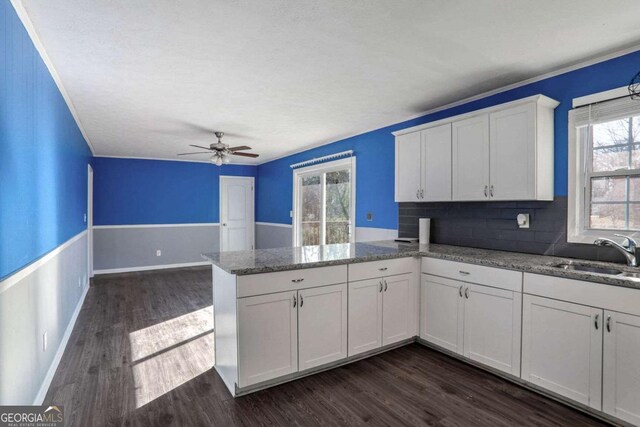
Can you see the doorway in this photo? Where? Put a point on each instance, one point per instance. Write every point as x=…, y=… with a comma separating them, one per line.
x=236, y=213
x=89, y=221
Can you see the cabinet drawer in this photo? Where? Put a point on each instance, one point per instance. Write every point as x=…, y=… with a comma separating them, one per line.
x=373, y=269
x=480, y=274
x=610, y=297
x=280, y=281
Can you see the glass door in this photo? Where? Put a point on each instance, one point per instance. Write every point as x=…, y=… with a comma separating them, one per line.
x=324, y=205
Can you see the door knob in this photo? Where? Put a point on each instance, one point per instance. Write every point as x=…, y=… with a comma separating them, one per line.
x=224, y=224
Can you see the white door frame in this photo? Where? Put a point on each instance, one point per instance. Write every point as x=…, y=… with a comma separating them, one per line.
x=253, y=205
x=89, y=221
x=322, y=168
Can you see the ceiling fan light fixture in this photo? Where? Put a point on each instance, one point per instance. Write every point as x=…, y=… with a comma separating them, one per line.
x=226, y=160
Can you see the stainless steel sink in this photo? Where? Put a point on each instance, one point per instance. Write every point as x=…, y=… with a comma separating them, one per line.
x=589, y=268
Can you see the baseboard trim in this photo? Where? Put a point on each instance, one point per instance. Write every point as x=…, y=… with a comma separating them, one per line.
x=274, y=224
x=46, y=383
x=151, y=267
x=17, y=276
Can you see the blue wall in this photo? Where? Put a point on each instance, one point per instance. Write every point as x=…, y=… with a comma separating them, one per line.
x=43, y=156
x=375, y=150
x=133, y=191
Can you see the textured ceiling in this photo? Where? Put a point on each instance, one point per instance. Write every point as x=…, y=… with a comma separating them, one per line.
x=145, y=77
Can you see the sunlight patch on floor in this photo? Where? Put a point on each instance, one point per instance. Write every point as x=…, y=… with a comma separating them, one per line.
x=168, y=354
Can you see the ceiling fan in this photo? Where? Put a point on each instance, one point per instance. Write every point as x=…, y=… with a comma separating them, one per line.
x=221, y=151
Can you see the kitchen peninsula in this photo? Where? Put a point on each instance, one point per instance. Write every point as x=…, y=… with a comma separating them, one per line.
x=281, y=314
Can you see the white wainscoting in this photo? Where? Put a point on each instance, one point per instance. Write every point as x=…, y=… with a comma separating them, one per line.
x=45, y=296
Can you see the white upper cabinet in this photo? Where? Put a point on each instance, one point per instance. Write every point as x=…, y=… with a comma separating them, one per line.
x=471, y=158
x=423, y=165
x=408, y=175
x=512, y=160
x=503, y=152
x=436, y=163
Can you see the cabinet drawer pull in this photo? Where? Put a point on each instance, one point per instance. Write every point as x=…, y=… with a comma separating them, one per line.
x=608, y=323
x=301, y=300
x=297, y=280
x=383, y=268
x=466, y=293
x=595, y=322
x=464, y=273
x=460, y=291
x=295, y=301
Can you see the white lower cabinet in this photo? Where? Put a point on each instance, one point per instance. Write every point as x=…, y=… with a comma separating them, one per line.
x=365, y=315
x=267, y=337
x=479, y=322
x=621, y=366
x=397, y=298
x=380, y=312
x=441, y=312
x=322, y=325
x=562, y=348
x=492, y=321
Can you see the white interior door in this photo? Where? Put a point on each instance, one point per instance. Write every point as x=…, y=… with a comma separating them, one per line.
x=562, y=348
x=322, y=325
x=365, y=315
x=621, y=376
x=236, y=213
x=492, y=325
x=441, y=312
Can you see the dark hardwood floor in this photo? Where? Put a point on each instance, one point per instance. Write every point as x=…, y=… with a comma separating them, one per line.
x=142, y=354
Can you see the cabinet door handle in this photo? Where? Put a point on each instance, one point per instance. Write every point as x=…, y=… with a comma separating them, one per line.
x=464, y=273
x=417, y=194
x=466, y=293
x=295, y=301
x=422, y=194
x=385, y=285
x=595, y=322
x=608, y=323
x=380, y=286
x=485, y=191
x=301, y=300
x=297, y=280
x=460, y=291
x=491, y=190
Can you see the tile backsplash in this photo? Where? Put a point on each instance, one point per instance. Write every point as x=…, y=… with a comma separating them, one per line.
x=492, y=225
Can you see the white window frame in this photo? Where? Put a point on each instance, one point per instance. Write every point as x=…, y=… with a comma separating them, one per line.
x=579, y=180
x=349, y=162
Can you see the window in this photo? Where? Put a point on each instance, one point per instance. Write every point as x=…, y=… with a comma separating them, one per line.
x=324, y=203
x=604, y=170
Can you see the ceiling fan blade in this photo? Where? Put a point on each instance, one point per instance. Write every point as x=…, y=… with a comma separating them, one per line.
x=239, y=148
x=199, y=146
x=245, y=154
x=197, y=152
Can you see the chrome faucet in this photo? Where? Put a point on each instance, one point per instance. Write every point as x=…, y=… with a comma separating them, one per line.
x=628, y=248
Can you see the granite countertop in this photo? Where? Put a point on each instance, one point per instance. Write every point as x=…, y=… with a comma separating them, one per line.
x=293, y=258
